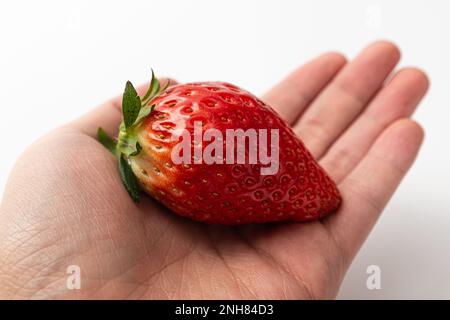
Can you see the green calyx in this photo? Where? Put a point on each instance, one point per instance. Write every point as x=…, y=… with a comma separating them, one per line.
x=134, y=110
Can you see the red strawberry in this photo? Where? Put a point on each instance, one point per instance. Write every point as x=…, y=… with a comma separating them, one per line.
x=216, y=193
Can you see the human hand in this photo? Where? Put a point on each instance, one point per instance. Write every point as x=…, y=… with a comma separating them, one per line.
x=64, y=203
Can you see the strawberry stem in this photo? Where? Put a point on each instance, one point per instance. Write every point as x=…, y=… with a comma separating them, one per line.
x=134, y=110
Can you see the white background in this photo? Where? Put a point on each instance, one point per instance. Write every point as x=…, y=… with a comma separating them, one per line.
x=59, y=59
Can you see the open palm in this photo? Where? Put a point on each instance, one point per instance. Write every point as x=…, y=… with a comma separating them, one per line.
x=64, y=203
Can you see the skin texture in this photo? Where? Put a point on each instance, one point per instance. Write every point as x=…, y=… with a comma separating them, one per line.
x=64, y=203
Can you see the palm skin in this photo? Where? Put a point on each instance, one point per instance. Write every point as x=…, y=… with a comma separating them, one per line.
x=64, y=203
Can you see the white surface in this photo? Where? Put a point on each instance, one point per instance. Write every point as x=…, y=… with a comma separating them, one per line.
x=58, y=59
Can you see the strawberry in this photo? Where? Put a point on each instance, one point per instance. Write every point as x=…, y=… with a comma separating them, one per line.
x=221, y=192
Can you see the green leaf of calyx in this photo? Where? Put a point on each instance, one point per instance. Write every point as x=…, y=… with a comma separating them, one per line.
x=127, y=144
x=107, y=141
x=129, y=179
x=145, y=111
x=152, y=91
x=131, y=105
x=138, y=149
x=165, y=86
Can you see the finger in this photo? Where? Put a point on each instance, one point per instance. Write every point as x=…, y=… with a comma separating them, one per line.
x=291, y=96
x=346, y=96
x=108, y=115
x=397, y=100
x=369, y=187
